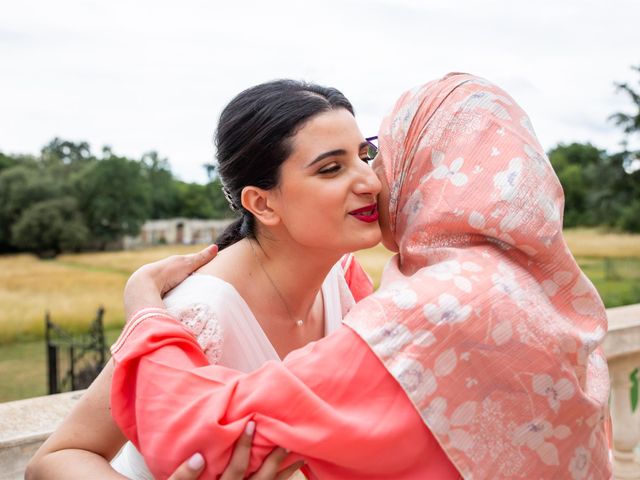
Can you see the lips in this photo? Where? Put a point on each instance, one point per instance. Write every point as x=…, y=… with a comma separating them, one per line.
x=368, y=214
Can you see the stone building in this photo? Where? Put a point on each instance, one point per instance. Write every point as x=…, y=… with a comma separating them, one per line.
x=185, y=231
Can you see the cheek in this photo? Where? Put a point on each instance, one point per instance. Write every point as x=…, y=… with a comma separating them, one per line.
x=314, y=213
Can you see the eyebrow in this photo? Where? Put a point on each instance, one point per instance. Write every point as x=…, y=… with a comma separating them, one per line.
x=333, y=153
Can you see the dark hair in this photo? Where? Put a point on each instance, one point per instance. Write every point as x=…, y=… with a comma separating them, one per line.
x=254, y=135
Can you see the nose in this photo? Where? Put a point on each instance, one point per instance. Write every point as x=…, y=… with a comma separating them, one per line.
x=367, y=182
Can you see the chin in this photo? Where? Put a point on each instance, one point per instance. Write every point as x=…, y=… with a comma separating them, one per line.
x=368, y=241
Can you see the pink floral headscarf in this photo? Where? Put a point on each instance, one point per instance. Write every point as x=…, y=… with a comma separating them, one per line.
x=484, y=317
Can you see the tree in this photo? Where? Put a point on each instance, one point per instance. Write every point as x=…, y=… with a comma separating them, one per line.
x=625, y=214
x=50, y=227
x=113, y=195
x=194, y=201
x=581, y=169
x=6, y=161
x=114, y=198
x=163, y=190
x=65, y=152
x=630, y=122
x=20, y=187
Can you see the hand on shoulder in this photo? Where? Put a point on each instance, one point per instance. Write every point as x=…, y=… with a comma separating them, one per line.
x=147, y=285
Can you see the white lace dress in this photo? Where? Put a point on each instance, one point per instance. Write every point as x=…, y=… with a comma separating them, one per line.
x=230, y=334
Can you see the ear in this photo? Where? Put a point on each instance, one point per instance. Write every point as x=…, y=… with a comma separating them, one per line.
x=258, y=202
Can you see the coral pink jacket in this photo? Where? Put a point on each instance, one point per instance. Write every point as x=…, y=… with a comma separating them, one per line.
x=331, y=403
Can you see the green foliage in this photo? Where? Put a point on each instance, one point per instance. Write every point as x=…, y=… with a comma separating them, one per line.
x=20, y=187
x=194, y=201
x=163, y=190
x=6, y=161
x=64, y=152
x=630, y=122
x=586, y=174
x=114, y=195
x=617, y=279
x=633, y=378
x=50, y=227
x=629, y=220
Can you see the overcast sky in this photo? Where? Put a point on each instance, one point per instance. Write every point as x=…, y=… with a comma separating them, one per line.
x=154, y=75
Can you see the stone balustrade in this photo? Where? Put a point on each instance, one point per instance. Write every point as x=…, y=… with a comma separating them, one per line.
x=25, y=424
x=622, y=347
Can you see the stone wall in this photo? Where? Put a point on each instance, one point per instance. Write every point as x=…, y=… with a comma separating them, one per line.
x=25, y=424
x=183, y=231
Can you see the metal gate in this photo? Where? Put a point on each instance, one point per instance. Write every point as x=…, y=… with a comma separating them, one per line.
x=74, y=360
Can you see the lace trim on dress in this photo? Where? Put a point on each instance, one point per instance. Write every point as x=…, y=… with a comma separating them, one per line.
x=201, y=319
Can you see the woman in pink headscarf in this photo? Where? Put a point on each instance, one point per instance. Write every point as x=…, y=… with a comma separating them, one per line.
x=480, y=350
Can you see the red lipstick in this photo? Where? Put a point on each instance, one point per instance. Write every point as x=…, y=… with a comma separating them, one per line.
x=368, y=214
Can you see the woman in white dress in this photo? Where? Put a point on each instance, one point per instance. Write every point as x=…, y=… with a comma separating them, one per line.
x=230, y=334
x=295, y=166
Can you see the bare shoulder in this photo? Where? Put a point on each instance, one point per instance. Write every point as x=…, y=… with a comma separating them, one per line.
x=231, y=265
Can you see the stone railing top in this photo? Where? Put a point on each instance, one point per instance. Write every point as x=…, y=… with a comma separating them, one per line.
x=25, y=421
x=623, y=337
x=623, y=317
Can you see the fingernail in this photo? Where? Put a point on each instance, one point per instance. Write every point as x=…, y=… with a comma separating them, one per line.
x=250, y=428
x=196, y=462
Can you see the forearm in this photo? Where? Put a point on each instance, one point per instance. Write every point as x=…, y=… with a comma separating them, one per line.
x=86, y=440
x=70, y=464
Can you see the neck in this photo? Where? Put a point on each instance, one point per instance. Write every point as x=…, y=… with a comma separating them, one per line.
x=297, y=272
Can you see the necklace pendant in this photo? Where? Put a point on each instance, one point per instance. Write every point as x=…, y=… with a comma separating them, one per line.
x=300, y=323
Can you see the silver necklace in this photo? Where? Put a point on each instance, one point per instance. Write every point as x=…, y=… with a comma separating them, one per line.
x=299, y=322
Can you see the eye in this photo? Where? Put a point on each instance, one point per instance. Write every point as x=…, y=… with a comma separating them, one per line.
x=331, y=168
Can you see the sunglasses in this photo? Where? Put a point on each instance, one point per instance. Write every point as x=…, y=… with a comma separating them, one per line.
x=372, y=148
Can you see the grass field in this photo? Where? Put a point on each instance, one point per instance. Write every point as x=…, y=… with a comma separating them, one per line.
x=72, y=287
x=594, y=243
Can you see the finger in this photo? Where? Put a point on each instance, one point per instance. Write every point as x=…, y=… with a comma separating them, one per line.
x=269, y=468
x=290, y=470
x=189, y=470
x=239, y=461
x=176, y=268
x=203, y=257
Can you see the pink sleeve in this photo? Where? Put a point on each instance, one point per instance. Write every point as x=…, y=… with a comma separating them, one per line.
x=357, y=278
x=332, y=403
